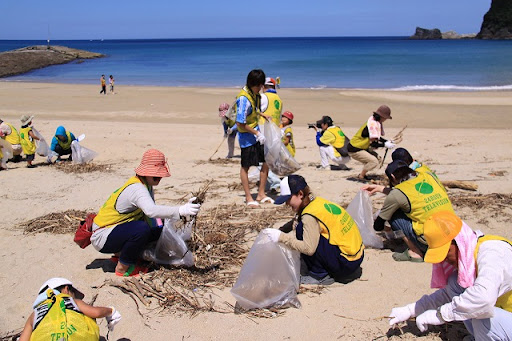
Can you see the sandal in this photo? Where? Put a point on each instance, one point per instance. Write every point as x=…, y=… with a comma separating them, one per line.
x=253, y=204
x=267, y=199
x=133, y=270
x=406, y=257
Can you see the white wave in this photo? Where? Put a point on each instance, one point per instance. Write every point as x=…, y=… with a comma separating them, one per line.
x=318, y=87
x=452, y=88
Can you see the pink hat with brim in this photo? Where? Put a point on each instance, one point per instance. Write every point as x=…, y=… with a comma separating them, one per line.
x=223, y=109
x=153, y=164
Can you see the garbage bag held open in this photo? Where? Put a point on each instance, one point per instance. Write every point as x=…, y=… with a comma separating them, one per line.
x=360, y=209
x=277, y=156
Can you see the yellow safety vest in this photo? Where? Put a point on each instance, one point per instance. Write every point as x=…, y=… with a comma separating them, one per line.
x=13, y=137
x=359, y=141
x=426, y=197
x=290, y=146
x=65, y=145
x=59, y=318
x=339, y=141
x=504, y=301
x=252, y=119
x=274, y=108
x=109, y=217
x=27, y=143
x=337, y=226
x=425, y=169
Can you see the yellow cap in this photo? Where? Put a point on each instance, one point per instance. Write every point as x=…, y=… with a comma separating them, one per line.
x=439, y=230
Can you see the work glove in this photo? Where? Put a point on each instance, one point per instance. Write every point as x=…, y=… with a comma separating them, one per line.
x=113, y=319
x=389, y=144
x=229, y=131
x=189, y=209
x=428, y=317
x=273, y=234
x=402, y=314
x=260, y=138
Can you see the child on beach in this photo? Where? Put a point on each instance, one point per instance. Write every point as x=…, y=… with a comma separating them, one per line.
x=111, y=83
x=229, y=126
x=59, y=312
x=27, y=139
x=286, y=130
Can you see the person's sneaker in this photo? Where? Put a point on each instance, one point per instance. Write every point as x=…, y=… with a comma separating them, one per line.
x=339, y=167
x=327, y=280
x=31, y=166
x=319, y=167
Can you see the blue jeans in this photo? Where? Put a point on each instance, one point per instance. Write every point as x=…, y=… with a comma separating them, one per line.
x=400, y=222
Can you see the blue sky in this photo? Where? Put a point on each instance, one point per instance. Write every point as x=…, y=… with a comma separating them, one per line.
x=93, y=19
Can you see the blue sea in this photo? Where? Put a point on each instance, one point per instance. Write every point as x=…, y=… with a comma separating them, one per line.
x=395, y=63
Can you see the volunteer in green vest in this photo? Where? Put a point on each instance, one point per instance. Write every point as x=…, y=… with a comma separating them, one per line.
x=415, y=197
x=11, y=135
x=60, y=314
x=126, y=223
x=61, y=142
x=474, y=274
x=369, y=137
x=332, y=143
x=324, y=233
x=271, y=104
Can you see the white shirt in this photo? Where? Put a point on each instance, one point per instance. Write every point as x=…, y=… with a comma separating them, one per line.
x=133, y=197
x=263, y=102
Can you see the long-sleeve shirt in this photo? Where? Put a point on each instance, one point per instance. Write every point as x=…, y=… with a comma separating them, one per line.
x=310, y=238
x=476, y=302
x=133, y=197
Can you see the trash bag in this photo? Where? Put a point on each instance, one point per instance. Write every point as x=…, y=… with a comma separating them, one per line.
x=42, y=147
x=269, y=277
x=254, y=174
x=81, y=154
x=360, y=209
x=277, y=156
x=6, y=151
x=171, y=248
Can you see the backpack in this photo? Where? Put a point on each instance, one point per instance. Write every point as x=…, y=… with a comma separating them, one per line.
x=84, y=231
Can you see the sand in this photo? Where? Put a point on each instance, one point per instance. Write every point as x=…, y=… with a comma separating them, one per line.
x=461, y=135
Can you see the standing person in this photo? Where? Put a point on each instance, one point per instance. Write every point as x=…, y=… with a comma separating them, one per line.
x=332, y=143
x=271, y=104
x=27, y=139
x=325, y=234
x=474, y=274
x=250, y=138
x=61, y=143
x=103, y=85
x=229, y=127
x=59, y=313
x=369, y=136
x=10, y=135
x=286, y=131
x=111, y=83
x=124, y=224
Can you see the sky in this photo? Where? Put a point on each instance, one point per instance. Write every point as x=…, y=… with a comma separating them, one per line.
x=130, y=19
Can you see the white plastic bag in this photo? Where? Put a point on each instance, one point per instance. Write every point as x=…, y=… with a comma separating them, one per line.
x=42, y=147
x=269, y=277
x=6, y=151
x=277, y=156
x=360, y=209
x=254, y=174
x=81, y=154
x=171, y=248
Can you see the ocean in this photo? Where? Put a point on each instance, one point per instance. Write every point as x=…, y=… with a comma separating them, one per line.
x=393, y=63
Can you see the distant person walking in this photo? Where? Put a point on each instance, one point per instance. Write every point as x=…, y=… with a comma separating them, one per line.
x=111, y=83
x=103, y=85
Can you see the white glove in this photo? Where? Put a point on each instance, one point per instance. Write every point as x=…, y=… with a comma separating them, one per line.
x=260, y=138
x=113, y=319
x=273, y=234
x=229, y=131
x=389, y=144
x=402, y=314
x=428, y=317
x=189, y=208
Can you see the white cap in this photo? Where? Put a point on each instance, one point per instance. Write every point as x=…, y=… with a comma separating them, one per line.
x=54, y=283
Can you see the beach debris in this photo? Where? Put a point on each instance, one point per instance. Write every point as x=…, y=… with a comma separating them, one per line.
x=11, y=335
x=219, y=161
x=396, y=140
x=57, y=223
x=495, y=201
x=68, y=167
x=467, y=185
x=216, y=150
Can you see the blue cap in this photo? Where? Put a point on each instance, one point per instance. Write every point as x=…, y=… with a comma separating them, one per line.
x=290, y=185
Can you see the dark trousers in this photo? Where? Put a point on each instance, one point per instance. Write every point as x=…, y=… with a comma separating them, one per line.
x=103, y=89
x=61, y=151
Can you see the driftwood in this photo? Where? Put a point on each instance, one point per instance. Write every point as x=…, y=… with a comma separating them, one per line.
x=397, y=139
x=470, y=186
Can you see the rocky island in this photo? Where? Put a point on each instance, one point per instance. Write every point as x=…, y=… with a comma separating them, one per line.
x=23, y=60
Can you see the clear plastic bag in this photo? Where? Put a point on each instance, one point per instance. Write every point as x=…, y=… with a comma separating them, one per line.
x=81, y=154
x=171, y=248
x=277, y=156
x=269, y=277
x=360, y=209
x=42, y=147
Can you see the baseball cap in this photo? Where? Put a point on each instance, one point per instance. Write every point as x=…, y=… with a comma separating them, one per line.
x=54, y=283
x=394, y=166
x=402, y=154
x=270, y=81
x=439, y=230
x=290, y=185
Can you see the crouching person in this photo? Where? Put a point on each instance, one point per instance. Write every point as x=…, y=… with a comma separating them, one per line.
x=59, y=313
x=474, y=274
x=327, y=237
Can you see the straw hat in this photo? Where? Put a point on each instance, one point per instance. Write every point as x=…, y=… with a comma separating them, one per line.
x=439, y=230
x=153, y=164
x=25, y=119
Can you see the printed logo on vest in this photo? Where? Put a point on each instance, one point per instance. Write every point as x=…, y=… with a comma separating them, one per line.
x=341, y=133
x=276, y=104
x=333, y=209
x=424, y=187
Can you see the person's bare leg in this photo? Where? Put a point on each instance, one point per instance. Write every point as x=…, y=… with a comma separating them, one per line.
x=244, y=177
x=362, y=174
x=263, y=181
x=413, y=250
x=121, y=268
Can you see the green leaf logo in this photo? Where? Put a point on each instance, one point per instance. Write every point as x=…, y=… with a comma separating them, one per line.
x=277, y=105
x=424, y=187
x=341, y=133
x=333, y=209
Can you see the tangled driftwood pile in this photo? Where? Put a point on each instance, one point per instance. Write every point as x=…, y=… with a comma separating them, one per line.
x=494, y=201
x=58, y=223
x=69, y=167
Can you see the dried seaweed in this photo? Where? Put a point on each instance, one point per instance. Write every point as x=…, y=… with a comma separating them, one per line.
x=57, y=223
x=69, y=167
x=494, y=201
x=219, y=161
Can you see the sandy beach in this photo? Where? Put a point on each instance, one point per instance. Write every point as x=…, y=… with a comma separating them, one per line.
x=461, y=135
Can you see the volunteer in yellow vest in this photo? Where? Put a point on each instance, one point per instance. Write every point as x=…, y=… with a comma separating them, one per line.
x=414, y=198
x=474, y=274
x=61, y=142
x=332, y=143
x=271, y=104
x=229, y=127
x=369, y=137
x=60, y=314
x=10, y=135
x=27, y=139
x=286, y=131
x=250, y=138
x=325, y=234
x=125, y=224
